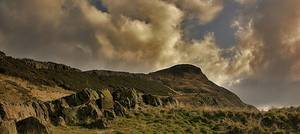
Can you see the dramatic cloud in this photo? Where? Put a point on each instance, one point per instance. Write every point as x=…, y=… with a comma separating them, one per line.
x=270, y=30
x=131, y=36
x=203, y=10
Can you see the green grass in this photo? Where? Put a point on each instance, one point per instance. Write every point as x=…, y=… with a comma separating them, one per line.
x=205, y=120
x=186, y=120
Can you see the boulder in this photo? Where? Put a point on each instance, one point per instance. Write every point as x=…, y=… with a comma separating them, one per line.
x=60, y=121
x=119, y=109
x=126, y=97
x=106, y=100
x=32, y=125
x=151, y=100
x=8, y=127
x=170, y=101
x=82, y=97
x=81, y=115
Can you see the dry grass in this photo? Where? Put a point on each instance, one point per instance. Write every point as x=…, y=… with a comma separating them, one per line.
x=14, y=89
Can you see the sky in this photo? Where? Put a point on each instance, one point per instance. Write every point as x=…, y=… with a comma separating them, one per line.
x=251, y=47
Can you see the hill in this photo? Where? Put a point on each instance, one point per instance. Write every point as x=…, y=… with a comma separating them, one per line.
x=186, y=82
x=49, y=97
x=195, y=86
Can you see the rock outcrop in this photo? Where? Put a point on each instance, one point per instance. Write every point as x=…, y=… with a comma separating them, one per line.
x=20, y=111
x=106, y=99
x=152, y=100
x=82, y=97
x=81, y=115
x=88, y=108
x=126, y=97
x=32, y=125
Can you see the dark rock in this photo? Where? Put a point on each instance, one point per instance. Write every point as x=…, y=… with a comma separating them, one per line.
x=2, y=111
x=8, y=127
x=60, y=121
x=2, y=54
x=170, y=101
x=109, y=114
x=60, y=104
x=82, y=97
x=152, y=100
x=99, y=124
x=119, y=109
x=81, y=115
x=99, y=103
x=126, y=97
x=41, y=111
x=32, y=125
x=106, y=100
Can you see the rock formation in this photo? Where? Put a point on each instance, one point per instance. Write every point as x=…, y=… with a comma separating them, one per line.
x=32, y=125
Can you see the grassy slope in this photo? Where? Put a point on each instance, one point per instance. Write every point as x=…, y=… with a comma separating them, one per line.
x=201, y=120
x=208, y=121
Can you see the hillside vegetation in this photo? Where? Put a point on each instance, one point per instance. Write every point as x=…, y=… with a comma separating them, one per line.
x=206, y=120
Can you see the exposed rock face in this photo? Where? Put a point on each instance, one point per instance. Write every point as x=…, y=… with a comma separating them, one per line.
x=32, y=125
x=8, y=127
x=20, y=111
x=82, y=108
x=106, y=101
x=81, y=115
x=152, y=100
x=41, y=111
x=126, y=97
x=81, y=97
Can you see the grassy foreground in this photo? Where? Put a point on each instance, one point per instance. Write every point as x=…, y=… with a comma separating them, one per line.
x=201, y=120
